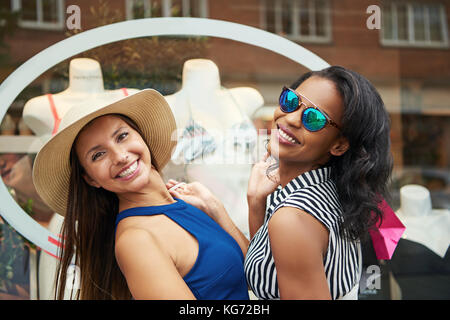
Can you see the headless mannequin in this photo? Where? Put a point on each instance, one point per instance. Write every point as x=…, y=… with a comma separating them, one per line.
x=217, y=110
x=424, y=225
x=42, y=115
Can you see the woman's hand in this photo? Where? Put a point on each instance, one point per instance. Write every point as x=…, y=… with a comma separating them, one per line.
x=195, y=194
x=199, y=196
x=260, y=185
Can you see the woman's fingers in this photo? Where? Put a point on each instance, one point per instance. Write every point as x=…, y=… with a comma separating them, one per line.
x=178, y=185
x=175, y=194
x=171, y=183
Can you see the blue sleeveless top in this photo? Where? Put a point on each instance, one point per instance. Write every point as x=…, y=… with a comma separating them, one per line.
x=218, y=272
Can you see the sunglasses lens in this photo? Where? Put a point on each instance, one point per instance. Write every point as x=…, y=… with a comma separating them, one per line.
x=313, y=119
x=288, y=101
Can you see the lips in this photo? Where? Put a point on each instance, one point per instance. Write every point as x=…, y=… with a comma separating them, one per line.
x=286, y=134
x=128, y=170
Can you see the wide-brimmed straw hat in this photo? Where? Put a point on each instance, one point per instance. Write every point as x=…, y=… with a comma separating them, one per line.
x=147, y=108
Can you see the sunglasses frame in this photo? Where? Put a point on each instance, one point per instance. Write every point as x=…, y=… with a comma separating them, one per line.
x=314, y=106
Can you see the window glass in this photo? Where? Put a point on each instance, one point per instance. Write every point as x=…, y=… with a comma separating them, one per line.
x=270, y=15
x=416, y=24
x=287, y=11
x=435, y=23
x=304, y=18
x=29, y=10
x=388, y=28
x=5, y=5
x=402, y=22
x=50, y=10
x=320, y=18
x=419, y=22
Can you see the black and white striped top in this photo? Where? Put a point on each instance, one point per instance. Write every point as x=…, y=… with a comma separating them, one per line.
x=315, y=193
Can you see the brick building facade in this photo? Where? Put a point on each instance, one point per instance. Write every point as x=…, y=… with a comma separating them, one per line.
x=412, y=76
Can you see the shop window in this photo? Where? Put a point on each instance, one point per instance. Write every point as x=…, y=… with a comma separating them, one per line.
x=38, y=14
x=301, y=20
x=414, y=24
x=138, y=9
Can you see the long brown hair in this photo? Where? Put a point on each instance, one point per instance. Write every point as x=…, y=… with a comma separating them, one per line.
x=88, y=232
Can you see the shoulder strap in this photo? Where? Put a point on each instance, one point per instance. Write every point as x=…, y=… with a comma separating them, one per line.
x=56, y=118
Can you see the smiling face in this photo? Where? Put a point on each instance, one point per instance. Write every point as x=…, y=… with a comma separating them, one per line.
x=113, y=155
x=293, y=144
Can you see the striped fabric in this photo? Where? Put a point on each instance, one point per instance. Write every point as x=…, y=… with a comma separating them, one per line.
x=315, y=193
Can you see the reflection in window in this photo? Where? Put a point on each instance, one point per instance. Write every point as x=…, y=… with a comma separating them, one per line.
x=414, y=24
x=138, y=9
x=402, y=22
x=29, y=10
x=39, y=14
x=286, y=16
x=304, y=20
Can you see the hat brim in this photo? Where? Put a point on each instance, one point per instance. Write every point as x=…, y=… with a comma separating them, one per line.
x=147, y=108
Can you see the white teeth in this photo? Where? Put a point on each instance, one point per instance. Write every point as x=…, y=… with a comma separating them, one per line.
x=130, y=170
x=285, y=136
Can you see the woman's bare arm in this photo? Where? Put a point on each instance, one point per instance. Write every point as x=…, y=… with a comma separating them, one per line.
x=299, y=243
x=149, y=271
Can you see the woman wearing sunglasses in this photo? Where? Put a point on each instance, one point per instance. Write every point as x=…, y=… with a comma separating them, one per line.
x=330, y=141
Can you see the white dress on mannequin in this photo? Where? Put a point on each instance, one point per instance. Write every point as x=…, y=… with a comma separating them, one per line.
x=42, y=115
x=215, y=135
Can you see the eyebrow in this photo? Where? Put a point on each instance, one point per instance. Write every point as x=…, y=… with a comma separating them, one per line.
x=315, y=105
x=98, y=146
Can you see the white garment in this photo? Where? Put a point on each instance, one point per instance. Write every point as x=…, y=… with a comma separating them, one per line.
x=432, y=230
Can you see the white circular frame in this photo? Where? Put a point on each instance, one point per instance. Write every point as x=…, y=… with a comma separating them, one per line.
x=81, y=42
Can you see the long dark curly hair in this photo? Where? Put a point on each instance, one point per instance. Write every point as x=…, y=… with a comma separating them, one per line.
x=362, y=173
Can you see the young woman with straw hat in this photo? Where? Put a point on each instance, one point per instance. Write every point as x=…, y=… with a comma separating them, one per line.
x=129, y=236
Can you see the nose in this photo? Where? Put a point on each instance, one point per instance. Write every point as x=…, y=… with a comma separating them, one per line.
x=294, y=119
x=120, y=156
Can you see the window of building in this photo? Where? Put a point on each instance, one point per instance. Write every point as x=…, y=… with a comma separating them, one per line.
x=39, y=14
x=414, y=24
x=137, y=9
x=301, y=20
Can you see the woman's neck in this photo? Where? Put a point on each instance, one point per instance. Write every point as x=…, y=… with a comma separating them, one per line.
x=291, y=170
x=154, y=194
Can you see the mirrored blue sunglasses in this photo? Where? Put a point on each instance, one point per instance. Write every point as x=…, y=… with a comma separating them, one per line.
x=313, y=118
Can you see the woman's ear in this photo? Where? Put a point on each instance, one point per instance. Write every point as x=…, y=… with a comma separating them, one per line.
x=90, y=181
x=340, y=146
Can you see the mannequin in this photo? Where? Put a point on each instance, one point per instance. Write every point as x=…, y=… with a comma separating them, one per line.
x=220, y=155
x=427, y=226
x=42, y=115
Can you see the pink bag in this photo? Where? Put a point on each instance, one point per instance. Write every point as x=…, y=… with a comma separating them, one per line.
x=386, y=237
